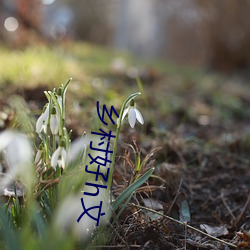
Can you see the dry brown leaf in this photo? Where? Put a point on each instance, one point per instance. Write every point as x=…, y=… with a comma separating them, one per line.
x=245, y=236
x=214, y=230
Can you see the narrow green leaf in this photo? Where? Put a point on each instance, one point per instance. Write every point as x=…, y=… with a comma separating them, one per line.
x=138, y=163
x=11, y=237
x=128, y=191
x=39, y=222
x=122, y=209
x=65, y=87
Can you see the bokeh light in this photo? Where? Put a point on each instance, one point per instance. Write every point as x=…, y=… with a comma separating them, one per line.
x=58, y=31
x=11, y=24
x=48, y=2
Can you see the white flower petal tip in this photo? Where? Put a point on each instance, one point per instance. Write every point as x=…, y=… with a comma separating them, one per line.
x=18, y=156
x=133, y=115
x=59, y=158
x=139, y=116
x=38, y=156
x=59, y=99
x=124, y=113
x=42, y=121
x=54, y=124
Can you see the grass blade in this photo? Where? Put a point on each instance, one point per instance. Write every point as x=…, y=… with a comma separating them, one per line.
x=128, y=191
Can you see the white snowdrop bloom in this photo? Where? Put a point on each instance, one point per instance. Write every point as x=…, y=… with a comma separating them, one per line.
x=17, y=152
x=42, y=121
x=59, y=157
x=39, y=154
x=68, y=217
x=59, y=99
x=54, y=121
x=78, y=148
x=133, y=114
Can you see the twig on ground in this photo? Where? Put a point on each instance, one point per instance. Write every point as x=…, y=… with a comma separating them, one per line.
x=227, y=207
x=184, y=224
x=115, y=247
x=239, y=217
x=174, y=200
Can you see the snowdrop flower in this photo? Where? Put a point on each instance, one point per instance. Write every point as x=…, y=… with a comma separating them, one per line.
x=78, y=148
x=59, y=157
x=69, y=210
x=59, y=97
x=54, y=121
x=133, y=114
x=17, y=152
x=42, y=122
x=39, y=154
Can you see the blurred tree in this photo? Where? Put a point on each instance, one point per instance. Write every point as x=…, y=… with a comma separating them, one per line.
x=25, y=21
x=211, y=33
x=92, y=20
x=229, y=34
x=29, y=14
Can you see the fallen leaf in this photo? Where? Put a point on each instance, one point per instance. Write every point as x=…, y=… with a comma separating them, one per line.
x=152, y=204
x=215, y=231
x=155, y=205
x=245, y=236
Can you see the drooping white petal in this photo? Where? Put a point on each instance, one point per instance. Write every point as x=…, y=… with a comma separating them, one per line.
x=78, y=148
x=132, y=117
x=67, y=213
x=46, y=112
x=59, y=99
x=63, y=159
x=42, y=121
x=5, y=139
x=61, y=163
x=124, y=113
x=44, y=127
x=18, y=156
x=38, y=156
x=19, y=151
x=55, y=156
x=139, y=116
x=39, y=123
x=70, y=210
x=133, y=114
x=59, y=157
x=54, y=124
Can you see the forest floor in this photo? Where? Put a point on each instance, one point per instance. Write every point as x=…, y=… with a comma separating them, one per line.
x=196, y=135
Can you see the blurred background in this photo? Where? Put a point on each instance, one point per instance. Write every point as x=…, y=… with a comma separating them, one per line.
x=211, y=34
x=193, y=60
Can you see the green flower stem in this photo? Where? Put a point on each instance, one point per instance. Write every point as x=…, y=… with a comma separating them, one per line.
x=110, y=180
x=47, y=137
x=52, y=95
x=54, y=142
x=66, y=137
x=61, y=112
x=65, y=87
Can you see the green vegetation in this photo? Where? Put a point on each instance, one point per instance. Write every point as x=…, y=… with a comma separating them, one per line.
x=195, y=136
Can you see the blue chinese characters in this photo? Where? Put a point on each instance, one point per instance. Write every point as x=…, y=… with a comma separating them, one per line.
x=104, y=160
